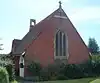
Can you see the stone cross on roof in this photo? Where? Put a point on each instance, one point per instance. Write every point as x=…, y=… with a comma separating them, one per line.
x=60, y=4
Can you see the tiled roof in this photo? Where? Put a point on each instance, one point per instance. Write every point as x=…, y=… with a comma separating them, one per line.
x=33, y=33
x=15, y=44
x=38, y=29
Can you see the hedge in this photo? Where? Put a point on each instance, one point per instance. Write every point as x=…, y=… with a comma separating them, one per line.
x=65, y=71
x=4, y=76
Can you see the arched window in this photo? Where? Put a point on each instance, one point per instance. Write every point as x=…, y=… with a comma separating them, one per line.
x=60, y=44
x=64, y=45
x=56, y=45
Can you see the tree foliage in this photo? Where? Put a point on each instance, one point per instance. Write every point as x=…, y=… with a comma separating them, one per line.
x=34, y=68
x=93, y=46
x=1, y=47
x=91, y=68
x=7, y=63
x=4, y=77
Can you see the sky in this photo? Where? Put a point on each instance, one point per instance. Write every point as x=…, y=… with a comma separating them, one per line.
x=15, y=17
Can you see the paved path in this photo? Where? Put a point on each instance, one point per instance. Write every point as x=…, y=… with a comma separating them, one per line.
x=26, y=82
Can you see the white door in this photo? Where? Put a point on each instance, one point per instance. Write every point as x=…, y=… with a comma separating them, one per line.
x=21, y=66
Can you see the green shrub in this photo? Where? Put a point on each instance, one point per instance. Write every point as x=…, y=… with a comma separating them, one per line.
x=4, y=77
x=34, y=68
x=61, y=77
x=10, y=71
x=8, y=64
x=52, y=72
x=73, y=71
x=14, y=81
x=44, y=74
x=65, y=71
x=88, y=69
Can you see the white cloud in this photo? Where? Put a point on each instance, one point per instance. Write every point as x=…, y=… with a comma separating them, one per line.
x=85, y=14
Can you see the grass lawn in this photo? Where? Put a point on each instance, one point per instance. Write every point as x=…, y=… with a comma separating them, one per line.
x=96, y=81
x=83, y=80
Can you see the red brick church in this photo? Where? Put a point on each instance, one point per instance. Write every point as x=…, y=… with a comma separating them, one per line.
x=53, y=38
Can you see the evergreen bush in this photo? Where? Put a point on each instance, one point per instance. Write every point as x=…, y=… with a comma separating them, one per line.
x=4, y=76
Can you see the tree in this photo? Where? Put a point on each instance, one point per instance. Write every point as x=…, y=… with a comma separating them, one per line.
x=93, y=46
x=34, y=68
x=1, y=47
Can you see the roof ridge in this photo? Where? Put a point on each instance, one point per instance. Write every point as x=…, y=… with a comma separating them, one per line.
x=41, y=21
x=75, y=30
x=47, y=17
x=35, y=28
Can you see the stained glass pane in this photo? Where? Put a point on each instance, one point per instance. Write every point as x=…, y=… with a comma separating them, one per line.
x=64, y=45
x=56, y=44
